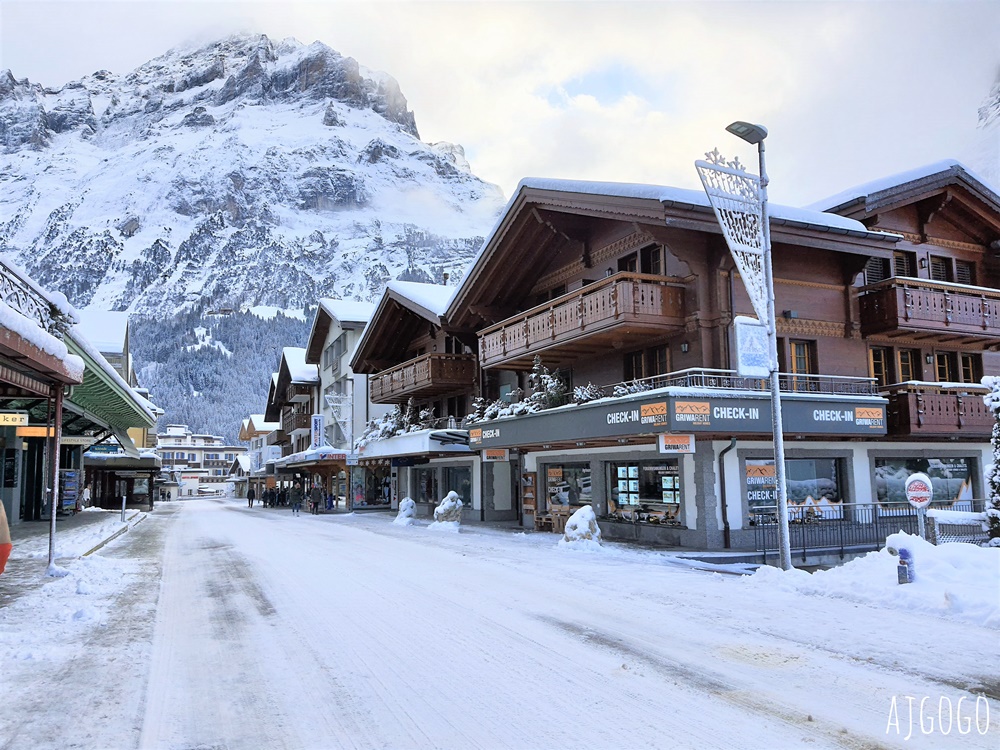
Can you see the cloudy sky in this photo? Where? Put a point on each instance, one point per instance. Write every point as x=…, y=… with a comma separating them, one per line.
x=618, y=91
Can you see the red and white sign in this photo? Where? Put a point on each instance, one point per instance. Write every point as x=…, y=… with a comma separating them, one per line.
x=675, y=443
x=919, y=490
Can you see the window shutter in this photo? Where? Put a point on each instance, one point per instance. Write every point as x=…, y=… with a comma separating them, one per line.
x=965, y=272
x=876, y=270
x=940, y=268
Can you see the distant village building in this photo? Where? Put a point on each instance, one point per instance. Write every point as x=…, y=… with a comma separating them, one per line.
x=197, y=464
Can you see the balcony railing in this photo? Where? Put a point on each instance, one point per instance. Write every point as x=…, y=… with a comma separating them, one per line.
x=699, y=377
x=620, y=308
x=936, y=410
x=278, y=437
x=298, y=392
x=292, y=421
x=426, y=376
x=952, y=311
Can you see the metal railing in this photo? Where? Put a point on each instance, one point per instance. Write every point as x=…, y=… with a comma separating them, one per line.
x=698, y=377
x=835, y=527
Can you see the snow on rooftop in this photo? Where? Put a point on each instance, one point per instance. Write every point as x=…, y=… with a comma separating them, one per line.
x=30, y=331
x=298, y=370
x=886, y=183
x=105, y=329
x=432, y=297
x=348, y=311
x=688, y=197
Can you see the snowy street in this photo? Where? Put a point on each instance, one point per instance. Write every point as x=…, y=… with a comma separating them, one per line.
x=346, y=631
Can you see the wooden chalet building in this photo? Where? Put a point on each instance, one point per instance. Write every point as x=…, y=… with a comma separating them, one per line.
x=411, y=357
x=888, y=315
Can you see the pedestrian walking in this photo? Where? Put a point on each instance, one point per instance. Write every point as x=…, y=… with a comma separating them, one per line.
x=316, y=496
x=282, y=497
x=251, y=496
x=296, y=498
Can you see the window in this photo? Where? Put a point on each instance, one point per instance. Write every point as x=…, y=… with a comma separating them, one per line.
x=971, y=367
x=628, y=264
x=812, y=486
x=951, y=480
x=946, y=366
x=903, y=264
x=651, y=260
x=909, y=364
x=876, y=270
x=459, y=479
x=646, y=363
x=941, y=269
x=879, y=359
x=568, y=484
x=965, y=272
x=425, y=489
x=192, y=457
x=638, y=483
x=168, y=455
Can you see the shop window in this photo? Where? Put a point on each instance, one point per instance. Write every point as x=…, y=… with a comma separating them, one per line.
x=879, y=359
x=458, y=479
x=371, y=486
x=812, y=486
x=568, y=484
x=425, y=489
x=648, y=486
x=909, y=365
x=951, y=481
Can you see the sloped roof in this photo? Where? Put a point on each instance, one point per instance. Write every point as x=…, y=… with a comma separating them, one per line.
x=105, y=329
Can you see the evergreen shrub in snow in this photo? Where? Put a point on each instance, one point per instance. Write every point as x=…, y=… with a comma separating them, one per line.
x=584, y=393
x=992, y=525
x=627, y=389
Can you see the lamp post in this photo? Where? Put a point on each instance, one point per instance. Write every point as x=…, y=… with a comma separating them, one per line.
x=739, y=200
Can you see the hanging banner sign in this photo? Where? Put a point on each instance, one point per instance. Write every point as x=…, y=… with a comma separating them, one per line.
x=13, y=418
x=675, y=443
x=317, y=431
x=496, y=454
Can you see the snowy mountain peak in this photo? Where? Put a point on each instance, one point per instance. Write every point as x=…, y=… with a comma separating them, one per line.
x=238, y=173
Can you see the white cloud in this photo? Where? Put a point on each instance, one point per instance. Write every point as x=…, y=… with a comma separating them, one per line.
x=849, y=91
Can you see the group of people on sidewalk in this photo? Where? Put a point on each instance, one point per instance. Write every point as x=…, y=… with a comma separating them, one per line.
x=272, y=498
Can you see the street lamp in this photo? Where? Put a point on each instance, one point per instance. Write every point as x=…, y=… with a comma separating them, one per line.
x=739, y=200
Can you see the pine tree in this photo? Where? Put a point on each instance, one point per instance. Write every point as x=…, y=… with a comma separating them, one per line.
x=992, y=400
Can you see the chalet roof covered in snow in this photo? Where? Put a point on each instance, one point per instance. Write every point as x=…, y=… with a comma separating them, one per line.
x=876, y=192
x=348, y=311
x=105, y=329
x=294, y=358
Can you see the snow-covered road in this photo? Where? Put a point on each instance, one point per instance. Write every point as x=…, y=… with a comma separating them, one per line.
x=345, y=631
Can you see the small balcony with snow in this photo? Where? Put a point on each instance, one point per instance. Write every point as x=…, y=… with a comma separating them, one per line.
x=426, y=376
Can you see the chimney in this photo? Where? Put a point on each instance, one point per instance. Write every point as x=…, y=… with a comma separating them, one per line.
x=444, y=278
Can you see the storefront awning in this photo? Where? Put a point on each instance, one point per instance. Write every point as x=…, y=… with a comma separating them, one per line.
x=423, y=442
x=126, y=442
x=324, y=454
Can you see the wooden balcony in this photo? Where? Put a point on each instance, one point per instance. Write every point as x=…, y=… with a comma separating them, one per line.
x=925, y=409
x=426, y=376
x=942, y=313
x=621, y=311
x=277, y=437
x=298, y=392
x=292, y=421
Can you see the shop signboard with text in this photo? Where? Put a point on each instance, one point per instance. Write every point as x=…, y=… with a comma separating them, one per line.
x=682, y=415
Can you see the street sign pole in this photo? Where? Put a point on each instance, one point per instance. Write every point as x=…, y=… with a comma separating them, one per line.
x=739, y=200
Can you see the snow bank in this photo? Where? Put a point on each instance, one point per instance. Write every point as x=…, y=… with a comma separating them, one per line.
x=953, y=581
x=406, y=510
x=582, y=530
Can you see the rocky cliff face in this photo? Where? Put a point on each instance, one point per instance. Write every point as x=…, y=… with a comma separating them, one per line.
x=242, y=173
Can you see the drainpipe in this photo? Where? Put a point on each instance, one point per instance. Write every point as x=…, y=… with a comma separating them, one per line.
x=722, y=491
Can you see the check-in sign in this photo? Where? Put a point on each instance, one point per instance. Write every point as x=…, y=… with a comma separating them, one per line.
x=675, y=443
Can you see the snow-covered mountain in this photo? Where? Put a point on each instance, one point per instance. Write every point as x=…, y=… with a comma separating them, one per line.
x=985, y=152
x=245, y=172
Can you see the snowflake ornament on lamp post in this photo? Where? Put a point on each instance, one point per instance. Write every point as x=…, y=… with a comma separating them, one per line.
x=739, y=200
